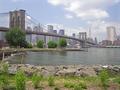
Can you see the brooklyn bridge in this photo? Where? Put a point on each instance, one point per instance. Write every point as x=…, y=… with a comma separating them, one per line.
x=19, y=18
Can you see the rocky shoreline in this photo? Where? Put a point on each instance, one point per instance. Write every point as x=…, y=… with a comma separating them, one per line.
x=63, y=70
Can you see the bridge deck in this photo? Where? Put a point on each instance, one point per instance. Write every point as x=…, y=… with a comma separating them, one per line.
x=4, y=29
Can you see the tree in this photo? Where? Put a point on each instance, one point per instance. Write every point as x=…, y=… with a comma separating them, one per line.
x=15, y=37
x=40, y=44
x=52, y=44
x=62, y=42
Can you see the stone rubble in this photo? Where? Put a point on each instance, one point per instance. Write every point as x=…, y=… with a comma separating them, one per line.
x=62, y=70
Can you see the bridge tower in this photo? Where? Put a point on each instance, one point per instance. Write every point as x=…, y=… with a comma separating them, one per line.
x=17, y=19
x=83, y=36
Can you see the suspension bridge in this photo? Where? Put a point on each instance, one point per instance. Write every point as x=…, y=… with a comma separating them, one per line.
x=21, y=19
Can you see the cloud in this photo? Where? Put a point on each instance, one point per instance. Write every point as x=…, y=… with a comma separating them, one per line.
x=68, y=16
x=86, y=9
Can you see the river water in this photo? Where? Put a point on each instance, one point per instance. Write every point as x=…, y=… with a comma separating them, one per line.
x=93, y=56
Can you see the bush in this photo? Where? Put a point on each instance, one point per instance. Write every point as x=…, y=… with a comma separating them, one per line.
x=29, y=45
x=36, y=80
x=77, y=87
x=117, y=79
x=52, y=44
x=4, y=77
x=51, y=81
x=40, y=44
x=82, y=85
x=62, y=42
x=20, y=80
x=103, y=75
x=69, y=84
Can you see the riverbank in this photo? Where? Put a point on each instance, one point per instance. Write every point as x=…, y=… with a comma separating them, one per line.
x=40, y=49
x=63, y=70
x=64, y=77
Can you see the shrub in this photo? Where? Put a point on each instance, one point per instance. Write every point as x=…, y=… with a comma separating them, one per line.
x=62, y=42
x=36, y=80
x=4, y=68
x=20, y=80
x=103, y=75
x=4, y=77
x=82, y=85
x=69, y=84
x=4, y=81
x=117, y=80
x=77, y=87
x=40, y=44
x=29, y=45
x=51, y=81
x=52, y=44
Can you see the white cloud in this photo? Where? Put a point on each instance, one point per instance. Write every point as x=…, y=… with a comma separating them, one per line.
x=92, y=11
x=86, y=9
x=68, y=16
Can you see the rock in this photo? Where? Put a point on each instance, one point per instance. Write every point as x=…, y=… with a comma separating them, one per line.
x=116, y=69
x=45, y=73
x=86, y=72
x=66, y=72
x=12, y=70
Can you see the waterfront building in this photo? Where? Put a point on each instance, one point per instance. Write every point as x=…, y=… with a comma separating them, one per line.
x=73, y=42
x=61, y=32
x=111, y=33
x=50, y=30
x=55, y=38
x=105, y=43
x=95, y=40
x=116, y=43
x=29, y=37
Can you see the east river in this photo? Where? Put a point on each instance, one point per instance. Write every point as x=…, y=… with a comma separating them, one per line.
x=93, y=56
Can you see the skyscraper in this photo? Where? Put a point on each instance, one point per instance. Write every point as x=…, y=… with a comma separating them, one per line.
x=50, y=30
x=111, y=33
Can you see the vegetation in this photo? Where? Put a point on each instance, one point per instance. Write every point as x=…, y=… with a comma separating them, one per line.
x=4, y=77
x=36, y=80
x=52, y=44
x=104, y=78
x=62, y=43
x=40, y=44
x=56, y=88
x=40, y=82
x=20, y=81
x=51, y=81
x=16, y=37
x=29, y=45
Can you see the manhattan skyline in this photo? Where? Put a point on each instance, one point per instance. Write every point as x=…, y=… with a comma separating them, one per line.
x=79, y=15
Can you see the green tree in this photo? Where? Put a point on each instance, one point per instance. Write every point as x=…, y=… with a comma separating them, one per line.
x=40, y=44
x=62, y=42
x=16, y=37
x=52, y=44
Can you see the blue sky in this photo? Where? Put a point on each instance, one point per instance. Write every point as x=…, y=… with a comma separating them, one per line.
x=78, y=15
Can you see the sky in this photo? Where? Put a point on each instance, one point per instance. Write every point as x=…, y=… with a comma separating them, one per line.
x=73, y=15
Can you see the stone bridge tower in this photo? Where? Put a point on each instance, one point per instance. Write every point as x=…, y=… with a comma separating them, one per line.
x=83, y=36
x=17, y=19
